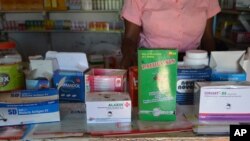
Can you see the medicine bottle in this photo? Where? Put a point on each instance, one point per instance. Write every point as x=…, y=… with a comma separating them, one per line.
x=196, y=57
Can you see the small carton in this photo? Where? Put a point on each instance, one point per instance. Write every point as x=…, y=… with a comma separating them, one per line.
x=34, y=83
x=41, y=72
x=29, y=106
x=72, y=61
x=133, y=85
x=70, y=85
x=100, y=80
x=222, y=100
x=230, y=68
x=187, y=75
x=108, y=107
x=157, y=75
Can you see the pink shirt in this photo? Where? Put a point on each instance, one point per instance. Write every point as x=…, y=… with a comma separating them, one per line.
x=170, y=23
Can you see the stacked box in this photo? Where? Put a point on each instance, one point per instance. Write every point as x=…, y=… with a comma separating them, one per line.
x=101, y=80
x=157, y=74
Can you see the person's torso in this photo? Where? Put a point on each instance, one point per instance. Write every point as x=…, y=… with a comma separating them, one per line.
x=173, y=23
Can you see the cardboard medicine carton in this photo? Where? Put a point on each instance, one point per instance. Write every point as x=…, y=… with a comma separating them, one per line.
x=108, y=107
x=133, y=85
x=72, y=85
x=157, y=75
x=230, y=68
x=29, y=106
x=103, y=80
x=187, y=76
x=222, y=100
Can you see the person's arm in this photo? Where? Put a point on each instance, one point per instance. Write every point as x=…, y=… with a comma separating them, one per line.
x=207, y=41
x=129, y=44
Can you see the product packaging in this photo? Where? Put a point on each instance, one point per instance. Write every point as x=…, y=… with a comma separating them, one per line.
x=230, y=68
x=187, y=76
x=222, y=100
x=100, y=80
x=157, y=75
x=133, y=85
x=70, y=85
x=29, y=106
x=108, y=107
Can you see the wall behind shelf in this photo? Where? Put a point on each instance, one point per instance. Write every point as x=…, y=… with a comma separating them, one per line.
x=90, y=42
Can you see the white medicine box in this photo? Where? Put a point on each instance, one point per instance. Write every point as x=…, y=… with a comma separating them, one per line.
x=108, y=107
x=222, y=100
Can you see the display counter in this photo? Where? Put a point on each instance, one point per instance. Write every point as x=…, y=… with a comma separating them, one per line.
x=73, y=126
x=180, y=136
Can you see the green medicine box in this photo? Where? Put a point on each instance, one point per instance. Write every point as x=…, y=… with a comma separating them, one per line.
x=157, y=76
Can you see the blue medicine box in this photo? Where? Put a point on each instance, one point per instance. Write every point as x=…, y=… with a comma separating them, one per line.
x=29, y=106
x=228, y=76
x=73, y=88
x=227, y=66
x=186, y=77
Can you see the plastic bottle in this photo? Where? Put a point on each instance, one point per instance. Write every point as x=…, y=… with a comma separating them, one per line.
x=11, y=74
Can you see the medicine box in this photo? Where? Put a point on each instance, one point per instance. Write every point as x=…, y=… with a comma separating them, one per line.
x=70, y=85
x=108, y=107
x=157, y=75
x=230, y=68
x=222, y=100
x=133, y=85
x=29, y=106
x=41, y=72
x=100, y=80
x=187, y=76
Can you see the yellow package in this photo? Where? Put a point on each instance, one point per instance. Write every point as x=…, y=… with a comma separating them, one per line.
x=54, y=4
x=47, y=4
x=62, y=5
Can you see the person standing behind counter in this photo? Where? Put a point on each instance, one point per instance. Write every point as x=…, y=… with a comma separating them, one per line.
x=180, y=24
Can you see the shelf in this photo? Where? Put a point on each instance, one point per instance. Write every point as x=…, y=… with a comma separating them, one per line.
x=231, y=43
x=235, y=11
x=60, y=11
x=63, y=31
x=243, y=9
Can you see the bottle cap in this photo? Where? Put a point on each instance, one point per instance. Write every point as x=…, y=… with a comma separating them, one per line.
x=194, y=62
x=196, y=54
